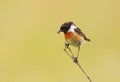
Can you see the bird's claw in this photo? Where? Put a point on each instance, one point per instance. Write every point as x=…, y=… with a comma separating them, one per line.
x=66, y=45
x=75, y=59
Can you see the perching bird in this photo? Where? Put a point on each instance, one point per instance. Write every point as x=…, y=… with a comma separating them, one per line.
x=73, y=35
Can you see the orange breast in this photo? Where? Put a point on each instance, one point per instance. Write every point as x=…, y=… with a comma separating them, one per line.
x=72, y=37
x=68, y=35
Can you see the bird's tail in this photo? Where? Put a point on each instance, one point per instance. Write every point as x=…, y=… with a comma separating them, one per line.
x=87, y=39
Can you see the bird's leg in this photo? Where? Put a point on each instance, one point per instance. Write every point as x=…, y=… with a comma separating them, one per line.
x=78, y=51
x=72, y=57
x=75, y=59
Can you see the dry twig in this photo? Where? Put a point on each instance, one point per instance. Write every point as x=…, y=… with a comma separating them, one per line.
x=75, y=59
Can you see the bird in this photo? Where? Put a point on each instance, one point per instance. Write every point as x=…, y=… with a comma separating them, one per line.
x=73, y=36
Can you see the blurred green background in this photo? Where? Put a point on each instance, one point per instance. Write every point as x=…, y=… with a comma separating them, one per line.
x=32, y=51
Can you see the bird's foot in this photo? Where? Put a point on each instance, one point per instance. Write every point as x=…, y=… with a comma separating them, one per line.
x=66, y=45
x=75, y=59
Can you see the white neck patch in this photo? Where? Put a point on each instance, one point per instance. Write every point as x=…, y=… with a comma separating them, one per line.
x=72, y=27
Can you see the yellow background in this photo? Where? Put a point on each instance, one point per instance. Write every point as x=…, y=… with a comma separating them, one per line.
x=32, y=51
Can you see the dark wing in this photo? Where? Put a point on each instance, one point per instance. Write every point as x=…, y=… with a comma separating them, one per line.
x=79, y=31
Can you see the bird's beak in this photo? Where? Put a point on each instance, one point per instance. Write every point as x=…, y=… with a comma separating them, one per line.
x=59, y=31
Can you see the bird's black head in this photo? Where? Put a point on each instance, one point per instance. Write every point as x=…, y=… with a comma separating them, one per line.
x=65, y=27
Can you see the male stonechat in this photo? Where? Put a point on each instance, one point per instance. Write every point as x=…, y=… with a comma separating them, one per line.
x=73, y=36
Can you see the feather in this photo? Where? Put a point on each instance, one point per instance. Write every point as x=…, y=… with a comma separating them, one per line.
x=79, y=31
